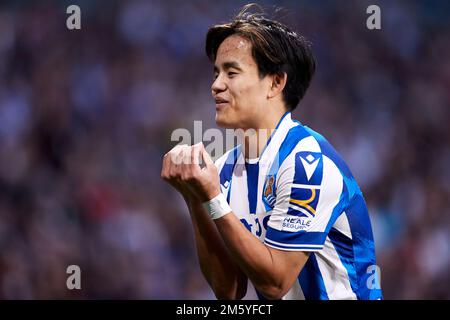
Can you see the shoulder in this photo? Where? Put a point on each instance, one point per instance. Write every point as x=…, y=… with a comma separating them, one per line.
x=309, y=158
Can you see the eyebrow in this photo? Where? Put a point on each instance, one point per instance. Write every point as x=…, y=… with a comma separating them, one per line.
x=229, y=65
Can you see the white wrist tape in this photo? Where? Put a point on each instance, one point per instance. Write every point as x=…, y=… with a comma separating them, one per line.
x=217, y=207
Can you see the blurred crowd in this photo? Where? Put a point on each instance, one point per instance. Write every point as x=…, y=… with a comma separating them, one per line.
x=86, y=116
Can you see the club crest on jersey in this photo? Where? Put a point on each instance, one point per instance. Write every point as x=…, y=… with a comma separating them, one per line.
x=269, y=195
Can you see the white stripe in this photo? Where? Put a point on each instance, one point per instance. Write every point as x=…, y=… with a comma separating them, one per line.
x=293, y=249
x=295, y=245
x=342, y=225
x=220, y=162
x=306, y=186
x=309, y=144
x=239, y=190
x=334, y=273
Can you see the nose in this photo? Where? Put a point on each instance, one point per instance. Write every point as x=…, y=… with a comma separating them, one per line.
x=218, y=85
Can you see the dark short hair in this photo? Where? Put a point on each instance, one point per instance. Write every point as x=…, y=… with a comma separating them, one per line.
x=275, y=48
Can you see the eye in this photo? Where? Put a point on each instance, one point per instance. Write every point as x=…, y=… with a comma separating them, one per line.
x=231, y=73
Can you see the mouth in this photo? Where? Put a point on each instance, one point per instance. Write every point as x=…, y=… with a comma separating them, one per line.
x=220, y=103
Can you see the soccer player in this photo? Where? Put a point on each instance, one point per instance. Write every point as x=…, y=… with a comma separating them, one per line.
x=291, y=219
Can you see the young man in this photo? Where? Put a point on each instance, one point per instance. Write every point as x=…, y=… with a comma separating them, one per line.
x=291, y=217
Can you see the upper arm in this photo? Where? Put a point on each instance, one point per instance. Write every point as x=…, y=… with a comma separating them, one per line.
x=308, y=194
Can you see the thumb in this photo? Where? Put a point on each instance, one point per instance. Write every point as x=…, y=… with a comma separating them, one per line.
x=206, y=157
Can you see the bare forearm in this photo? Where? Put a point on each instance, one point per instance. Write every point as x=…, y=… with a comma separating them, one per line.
x=253, y=256
x=219, y=269
x=262, y=265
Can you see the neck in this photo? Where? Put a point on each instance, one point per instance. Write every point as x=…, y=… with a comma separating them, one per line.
x=255, y=139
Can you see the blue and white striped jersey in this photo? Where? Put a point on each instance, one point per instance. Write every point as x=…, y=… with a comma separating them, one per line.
x=300, y=195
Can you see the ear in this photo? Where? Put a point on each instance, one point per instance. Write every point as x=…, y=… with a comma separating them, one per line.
x=277, y=84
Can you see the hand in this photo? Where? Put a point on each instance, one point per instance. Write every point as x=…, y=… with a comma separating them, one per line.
x=182, y=170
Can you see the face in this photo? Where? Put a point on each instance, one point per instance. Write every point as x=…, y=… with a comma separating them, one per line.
x=237, y=88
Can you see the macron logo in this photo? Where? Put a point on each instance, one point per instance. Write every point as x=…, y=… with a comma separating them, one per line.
x=310, y=164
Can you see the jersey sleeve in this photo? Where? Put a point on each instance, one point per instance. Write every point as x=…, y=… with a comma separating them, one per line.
x=308, y=191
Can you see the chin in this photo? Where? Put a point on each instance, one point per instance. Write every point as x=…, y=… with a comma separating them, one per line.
x=223, y=122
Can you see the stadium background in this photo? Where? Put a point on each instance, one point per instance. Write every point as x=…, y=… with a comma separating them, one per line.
x=86, y=116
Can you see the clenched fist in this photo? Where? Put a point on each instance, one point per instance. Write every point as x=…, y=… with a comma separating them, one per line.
x=181, y=168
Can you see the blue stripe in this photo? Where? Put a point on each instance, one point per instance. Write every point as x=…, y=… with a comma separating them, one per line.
x=293, y=137
x=363, y=246
x=227, y=169
x=252, y=185
x=294, y=248
x=311, y=280
x=301, y=237
x=226, y=173
x=344, y=248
